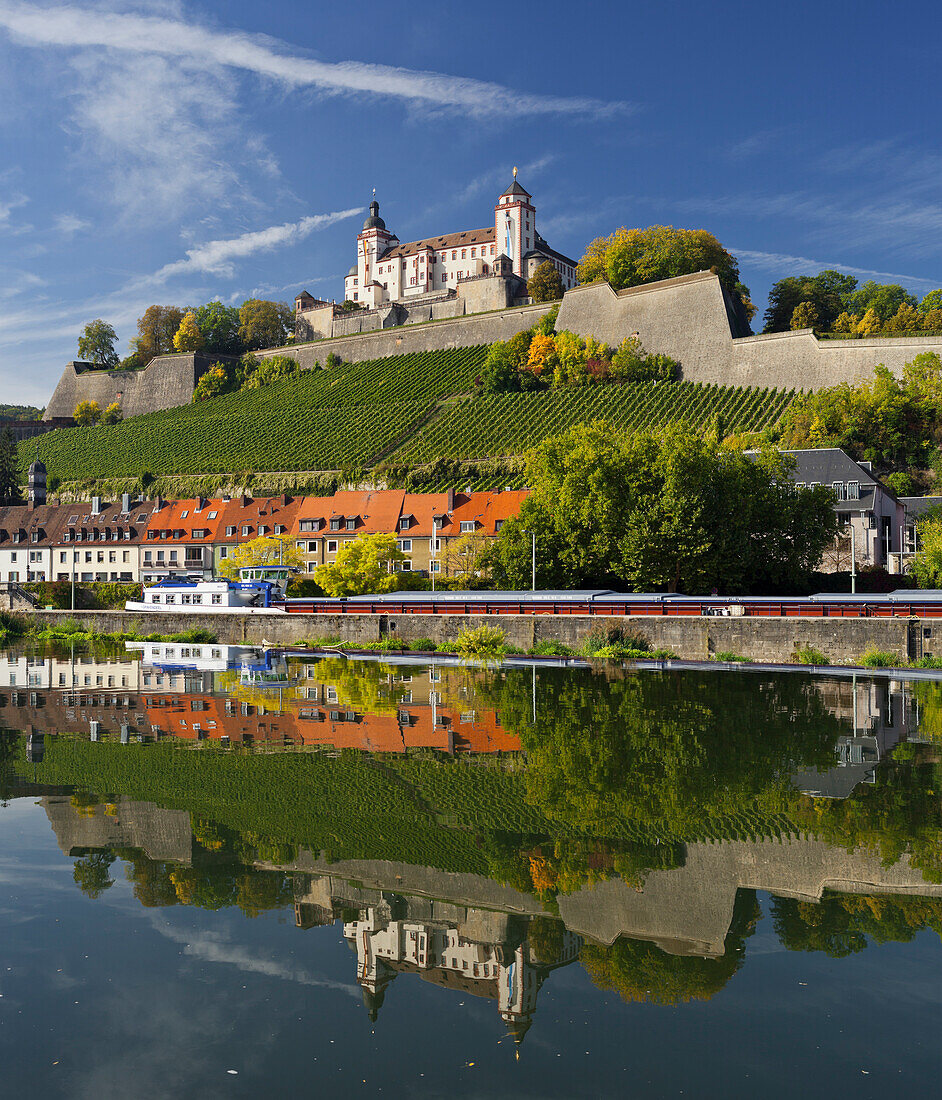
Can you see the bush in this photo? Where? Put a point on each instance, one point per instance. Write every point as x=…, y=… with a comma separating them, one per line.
x=927, y=662
x=808, y=655
x=423, y=645
x=732, y=657
x=551, y=649
x=879, y=658
x=389, y=645
x=481, y=641
x=605, y=637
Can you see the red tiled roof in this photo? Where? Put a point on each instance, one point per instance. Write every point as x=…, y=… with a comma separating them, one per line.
x=437, y=244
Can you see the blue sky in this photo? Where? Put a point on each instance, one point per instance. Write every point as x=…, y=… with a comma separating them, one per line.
x=171, y=152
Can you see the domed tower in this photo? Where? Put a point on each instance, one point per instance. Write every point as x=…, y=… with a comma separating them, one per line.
x=36, y=484
x=372, y=241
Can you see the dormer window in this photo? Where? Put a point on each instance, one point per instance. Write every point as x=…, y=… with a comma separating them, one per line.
x=245, y=530
x=405, y=522
x=352, y=524
x=335, y=524
x=262, y=530
x=853, y=490
x=467, y=526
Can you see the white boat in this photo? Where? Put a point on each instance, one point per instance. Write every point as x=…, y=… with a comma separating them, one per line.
x=253, y=593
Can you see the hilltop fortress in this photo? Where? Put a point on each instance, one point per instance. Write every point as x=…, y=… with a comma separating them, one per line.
x=462, y=289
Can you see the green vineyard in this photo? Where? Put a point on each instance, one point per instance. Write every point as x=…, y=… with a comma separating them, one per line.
x=509, y=424
x=358, y=414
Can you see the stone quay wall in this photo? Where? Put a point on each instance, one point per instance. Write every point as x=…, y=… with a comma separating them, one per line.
x=690, y=638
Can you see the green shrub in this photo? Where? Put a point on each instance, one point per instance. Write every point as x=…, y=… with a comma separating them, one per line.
x=551, y=649
x=808, y=655
x=481, y=641
x=423, y=645
x=608, y=636
x=732, y=658
x=389, y=645
x=629, y=653
x=927, y=662
x=879, y=658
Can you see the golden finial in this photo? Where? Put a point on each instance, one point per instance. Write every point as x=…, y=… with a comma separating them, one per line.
x=515, y=171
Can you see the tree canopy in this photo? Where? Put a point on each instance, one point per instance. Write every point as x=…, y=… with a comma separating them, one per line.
x=545, y=284
x=261, y=551
x=9, y=472
x=264, y=324
x=156, y=330
x=668, y=510
x=828, y=292
x=219, y=325
x=894, y=423
x=630, y=257
x=188, y=336
x=362, y=565
x=87, y=413
x=96, y=344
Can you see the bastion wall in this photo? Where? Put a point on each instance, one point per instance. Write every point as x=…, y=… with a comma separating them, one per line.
x=686, y=318
x=166, y=381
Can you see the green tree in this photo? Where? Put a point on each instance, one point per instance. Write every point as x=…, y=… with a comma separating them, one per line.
x=155, y=331
x=96, y=344
x=87, y=413
x=92, y=873
x=931, y=302
x=188, y=336
x=630, y=257
x=112, y=414
x=828, y=292
x=272, y=369
x=261, y=551
x=926, y=566
x=9, y=471
x=264, y=324
x=883, y=298
x=805, y=315
x=869, y=324
x=545, y=284
x=666, y=510
x=362, y=565
x=219, y=325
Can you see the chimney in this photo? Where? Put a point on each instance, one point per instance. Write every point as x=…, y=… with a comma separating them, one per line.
x=451, y=500
x=158, y=502
x=96, y=506
x=36, y=485
x=125, y=502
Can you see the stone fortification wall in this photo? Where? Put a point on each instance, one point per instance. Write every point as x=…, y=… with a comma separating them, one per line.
x=166, y=381
x=696, y=639
x=457, y=332
x=687, y=319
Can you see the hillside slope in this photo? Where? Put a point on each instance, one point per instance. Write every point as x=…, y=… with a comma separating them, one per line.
x=392, y=410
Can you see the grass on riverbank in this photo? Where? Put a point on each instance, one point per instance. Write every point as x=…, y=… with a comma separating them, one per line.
x=73, y=631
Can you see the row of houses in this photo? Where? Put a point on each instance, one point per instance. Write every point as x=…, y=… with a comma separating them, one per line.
x=135, y=540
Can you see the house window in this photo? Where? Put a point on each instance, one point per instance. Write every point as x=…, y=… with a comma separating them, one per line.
x=838, y=489
x=351, y=524
x=406, y=566
x=467, y=526
x=223, y=552
x=230, y=531
x=184, y=513
x=262, y=530
x=405, y=522
x=498, y=524
x=335, y=525
x=212, y=515
x=331, y=546
x=435, y=567
x=245, y=531
x=405, y=545
x=853, y=490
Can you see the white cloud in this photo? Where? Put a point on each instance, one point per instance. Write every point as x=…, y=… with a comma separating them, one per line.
x=7, y=206
x=67, y=225
x=785, y=264
x=74, y=27
x=216, y=257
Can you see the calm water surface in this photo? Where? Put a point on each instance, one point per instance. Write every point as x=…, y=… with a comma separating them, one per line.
x=224, y=872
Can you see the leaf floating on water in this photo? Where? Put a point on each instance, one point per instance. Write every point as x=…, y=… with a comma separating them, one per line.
x=234, y=1072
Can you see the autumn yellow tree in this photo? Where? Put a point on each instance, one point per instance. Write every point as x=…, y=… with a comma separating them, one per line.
x=846, y=322
x=541, y=347
x=461, y=556
x=804, y=315
x=261, y=551
x=112, y=414
x=363, y=564
x=188, y=336
x=869, y=324
x=87, y=413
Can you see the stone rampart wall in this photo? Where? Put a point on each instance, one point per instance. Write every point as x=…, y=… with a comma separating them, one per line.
x=451, y=332
x=694, y=638
x=166, y=381
x=687, y=319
